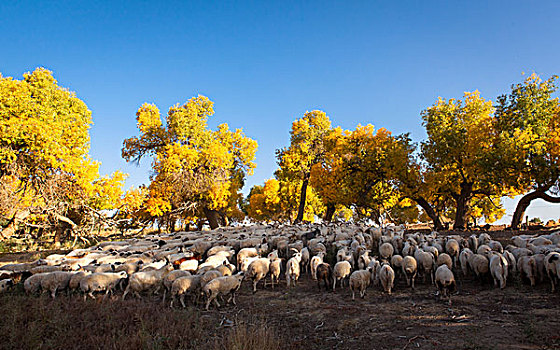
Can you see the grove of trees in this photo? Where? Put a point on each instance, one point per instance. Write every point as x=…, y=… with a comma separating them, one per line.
x=476, y=152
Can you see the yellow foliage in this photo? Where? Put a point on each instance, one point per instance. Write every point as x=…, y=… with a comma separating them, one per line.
x=44, y=146
x=195, y=168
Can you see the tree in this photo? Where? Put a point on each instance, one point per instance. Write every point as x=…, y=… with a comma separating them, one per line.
x=264, y=201
x=306, y=149
x=413, y=180
x=528, y=143
x=327, y=176
x=460, y=140
x=367, y=186
x=47, y=177
x=197, y=171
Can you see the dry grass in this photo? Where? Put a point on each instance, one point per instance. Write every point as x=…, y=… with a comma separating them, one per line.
x=70, y=323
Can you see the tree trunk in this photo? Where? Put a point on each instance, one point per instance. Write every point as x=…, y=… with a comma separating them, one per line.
x=462, y=205
x=524, y=202
x=330, y=212
x=303, y=194
x=429, y=210
x=213, y=217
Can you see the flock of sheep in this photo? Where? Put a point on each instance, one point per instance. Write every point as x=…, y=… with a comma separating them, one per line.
x=214, y=263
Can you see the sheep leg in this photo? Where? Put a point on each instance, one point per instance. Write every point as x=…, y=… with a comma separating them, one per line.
x=53, y=293
x=126, y=292
x=233, y=298
x=551, y=277
x=255, y=285
x=334, y=284
x=164, y=294
x=352, y=293
x=182, y=299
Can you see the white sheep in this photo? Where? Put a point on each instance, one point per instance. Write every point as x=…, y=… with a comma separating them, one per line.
x=527, y=267
x=33, y=283
x=316, y=261
x=170, y=278
x=305, y=259
x=444, y=259
x=396, y=262
x=360, y=280
x=74, y=282
x=473, y=242
x=386, y=250
x=214, y=261
x=344, y=254
x=552, y=265
x=275, y=270
x=341, y=270
x=56, y=281
x=182, y=285
x=293, y=270
x=386, y=277
x=496, y=246
x=484, y=238
x=226, y=269
x=246, y=262
x=102, y=281
x=479, y=264
x=209, y=276
x=257, y=271
x=445, y=281
x=189, y=265
x=409, y=249
x=426, y=262
x=432, y=249
x=483, y=249
x=218, y=248
x=245, y=253
x=464, y=260
x=409, y=269
x=222, y=286
x=499, y=269
x=144, y=280
x=364, y=260
x=452, y=248
x=512, y=263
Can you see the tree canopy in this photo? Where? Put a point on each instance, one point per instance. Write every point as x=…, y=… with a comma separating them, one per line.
x=47, y=176
x=197, y=171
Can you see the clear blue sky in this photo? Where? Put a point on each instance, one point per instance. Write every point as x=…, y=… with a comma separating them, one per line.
x=265, y=63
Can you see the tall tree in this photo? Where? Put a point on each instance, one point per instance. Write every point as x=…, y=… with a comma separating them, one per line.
x=306, y=149
x=528, y=143
x=46, y=174
x=412, y=179
x=460, y=140
x=327, y=177
x=197, y=171
x=367, y=185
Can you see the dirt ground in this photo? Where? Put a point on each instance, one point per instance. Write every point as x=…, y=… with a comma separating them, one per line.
x=304, y=317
